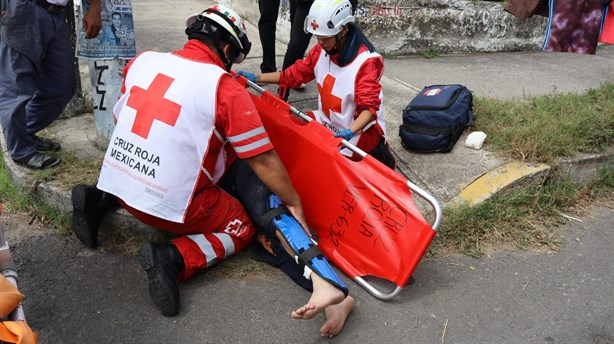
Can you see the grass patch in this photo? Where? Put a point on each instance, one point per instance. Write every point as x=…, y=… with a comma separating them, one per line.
x=241, y=265
x=520, y=218
x=71, y=171
x=429, y=54
x=387, y=55
x=542, y=129
x=23, y=200
x=602, y=188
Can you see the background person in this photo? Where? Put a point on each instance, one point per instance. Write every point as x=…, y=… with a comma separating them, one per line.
x=348, y=72
x=267, y=28
x=37, y=77
x=299, y=38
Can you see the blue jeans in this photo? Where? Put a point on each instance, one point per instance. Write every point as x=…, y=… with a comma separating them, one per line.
x=242, y=183
x=267, y=27
x=299, y=39
x=37, y=77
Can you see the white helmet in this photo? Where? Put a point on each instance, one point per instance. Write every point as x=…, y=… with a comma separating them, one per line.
x=230, y=21
x=327, y=17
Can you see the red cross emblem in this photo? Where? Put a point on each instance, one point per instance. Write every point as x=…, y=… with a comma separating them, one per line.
x=150, y=104
x=235, y=227
x=226, y=13
x=314, y=24
x=329, y=101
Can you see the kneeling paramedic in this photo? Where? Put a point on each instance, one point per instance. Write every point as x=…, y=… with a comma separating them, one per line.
x=182, y=124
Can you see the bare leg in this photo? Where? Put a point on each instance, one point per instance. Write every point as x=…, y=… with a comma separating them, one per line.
x=336, y=316
x=324, y=294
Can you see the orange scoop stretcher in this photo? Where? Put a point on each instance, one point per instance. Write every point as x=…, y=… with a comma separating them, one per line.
x=363, y=212
x=13, y=326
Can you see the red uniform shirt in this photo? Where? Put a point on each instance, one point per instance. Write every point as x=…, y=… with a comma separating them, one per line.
x=367, y=87
x=236, y=115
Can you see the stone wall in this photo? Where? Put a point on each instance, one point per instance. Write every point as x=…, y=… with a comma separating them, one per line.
x=401, y=27
x=447, y=26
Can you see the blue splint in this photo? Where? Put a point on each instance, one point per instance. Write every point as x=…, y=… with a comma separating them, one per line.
x=304, y=248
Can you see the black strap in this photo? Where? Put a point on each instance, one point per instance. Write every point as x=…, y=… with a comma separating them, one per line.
x=273, y=213
x=310, y=253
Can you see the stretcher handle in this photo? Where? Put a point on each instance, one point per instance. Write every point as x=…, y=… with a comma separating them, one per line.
x=9, y=271
x=413, y=187
x=306, y=118
x=294, y=110
x=438, y=214
x=17, y=314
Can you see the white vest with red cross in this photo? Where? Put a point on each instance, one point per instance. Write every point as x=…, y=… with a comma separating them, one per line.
x=336, y=86
x=165, y=121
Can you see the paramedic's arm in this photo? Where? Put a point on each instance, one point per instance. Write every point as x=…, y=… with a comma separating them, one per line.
x=367, y=91
x=269, y=168
x=268, y=78
x=298, y=73
x=365, y=117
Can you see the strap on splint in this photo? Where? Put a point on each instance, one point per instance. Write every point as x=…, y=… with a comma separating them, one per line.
x=304, y=248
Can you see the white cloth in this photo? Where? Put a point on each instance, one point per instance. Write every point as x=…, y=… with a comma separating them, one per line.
x=475, y=140
x=154, y=164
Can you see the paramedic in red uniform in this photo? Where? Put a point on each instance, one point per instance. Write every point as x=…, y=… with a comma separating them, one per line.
x=182, y=122
x=348, y=72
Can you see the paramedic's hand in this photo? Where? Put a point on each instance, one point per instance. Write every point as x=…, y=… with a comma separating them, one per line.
x=345, y=133
x=299, y=215
x=247, y=75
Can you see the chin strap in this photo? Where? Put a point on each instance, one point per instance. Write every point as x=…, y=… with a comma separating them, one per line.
x=335, y=49
x=225, y=60
x=208, y=29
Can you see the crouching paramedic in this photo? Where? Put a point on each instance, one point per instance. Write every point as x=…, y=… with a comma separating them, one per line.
x=182, y=122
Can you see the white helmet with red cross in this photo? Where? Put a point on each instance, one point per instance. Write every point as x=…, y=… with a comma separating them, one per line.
x=229, y=21
x=327, y=17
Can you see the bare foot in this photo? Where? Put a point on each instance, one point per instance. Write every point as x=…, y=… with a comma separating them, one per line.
x=324, y=294
x=336, y=316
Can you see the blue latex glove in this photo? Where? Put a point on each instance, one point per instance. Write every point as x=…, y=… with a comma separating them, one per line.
x=345, y=133
x=247, y=75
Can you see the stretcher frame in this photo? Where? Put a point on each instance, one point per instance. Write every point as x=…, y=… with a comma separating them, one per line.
x=9, y=271
x=369, y=287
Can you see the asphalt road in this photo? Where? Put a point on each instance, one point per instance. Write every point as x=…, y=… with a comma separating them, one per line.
x=78, y=295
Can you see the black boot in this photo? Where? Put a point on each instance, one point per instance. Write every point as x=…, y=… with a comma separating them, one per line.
x=162, y=263
x=89, y=205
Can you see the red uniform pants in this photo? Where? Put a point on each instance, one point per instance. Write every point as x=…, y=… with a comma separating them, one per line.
x=216, y=226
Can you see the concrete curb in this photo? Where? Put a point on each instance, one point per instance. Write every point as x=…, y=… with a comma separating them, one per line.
x=581, y=170
x=500, y=179
x=585, y=167
x=57, y=195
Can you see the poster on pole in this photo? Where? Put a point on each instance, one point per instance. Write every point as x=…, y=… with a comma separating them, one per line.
x=116, y=37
